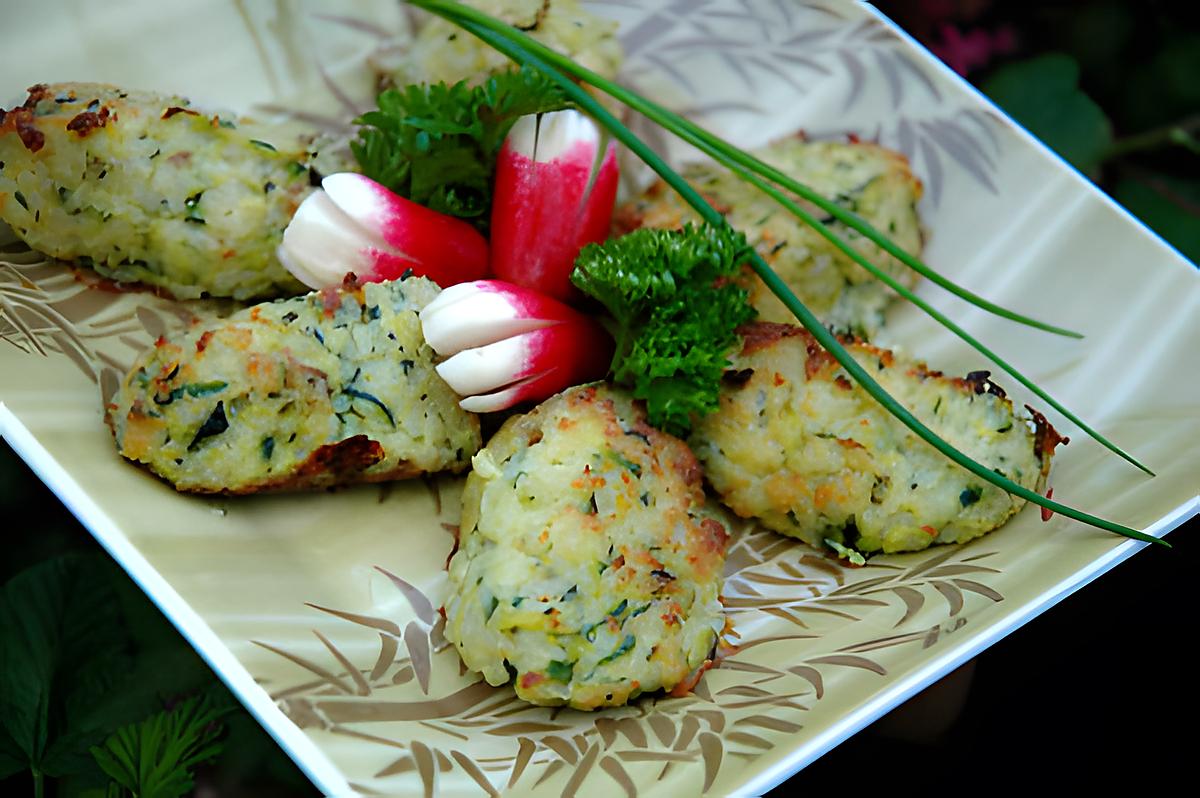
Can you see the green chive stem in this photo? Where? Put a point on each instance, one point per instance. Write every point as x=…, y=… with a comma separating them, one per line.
x=933, y=312
x=710, y=142
x=729, y=155
x=511, y=43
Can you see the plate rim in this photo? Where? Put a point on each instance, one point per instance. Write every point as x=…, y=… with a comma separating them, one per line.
x=328, y=778
x=320, y=769
x=301, y=748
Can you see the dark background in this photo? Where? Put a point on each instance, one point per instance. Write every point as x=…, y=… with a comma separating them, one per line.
x=1098, y=690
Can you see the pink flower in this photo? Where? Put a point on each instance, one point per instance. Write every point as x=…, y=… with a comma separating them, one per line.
x=974, y=48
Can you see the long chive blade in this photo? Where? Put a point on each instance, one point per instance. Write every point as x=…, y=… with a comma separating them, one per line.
x=857, y=223
x=674, y=122
x=508, y=41
x=725, y=152
x=933, y=312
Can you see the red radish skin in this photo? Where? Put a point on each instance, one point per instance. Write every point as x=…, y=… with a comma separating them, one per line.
x=569, y=353
x=434, y=245
x=485, y=311
x=544, y=211
x=353, y=224
x=508, y=344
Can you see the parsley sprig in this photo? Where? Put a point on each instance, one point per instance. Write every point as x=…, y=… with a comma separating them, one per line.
x=437, y=145
x=676, y=310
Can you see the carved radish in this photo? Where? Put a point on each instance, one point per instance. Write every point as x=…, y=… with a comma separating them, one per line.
x=353, y=224
x=508, y=344
x=556, y=182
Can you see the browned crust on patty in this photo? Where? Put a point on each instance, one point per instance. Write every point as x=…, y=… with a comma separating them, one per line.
x=759, y=335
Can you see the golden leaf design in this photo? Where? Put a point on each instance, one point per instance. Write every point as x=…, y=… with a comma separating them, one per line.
x=426, y=767
x=404, y=675
x=417, y=600
x=388, y=646
x=851, y=661
x=976, y=587
x=953, y=596
x=528, y=727
x=525, y=750
x=812, y=676
x=656, y=756
x=607, y=729
x=581, y=771
x=712, y=749
x=549, y=771
x=417, y=641
x=687, y=733
x=769, y=722
x=362, y=688
x=633, y=731
x=616, y=770
x=382, y=624
x=474, y=772
x=327, y=677
x=664, y=728
x=404, y=764
x=714, y=718
x=913, y=600
x=934, y=559
x=561, y=747
x=752, y=740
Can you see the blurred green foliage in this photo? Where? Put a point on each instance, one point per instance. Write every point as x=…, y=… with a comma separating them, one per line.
x=1043, y=94
x=86, y=660
x=1111, y=85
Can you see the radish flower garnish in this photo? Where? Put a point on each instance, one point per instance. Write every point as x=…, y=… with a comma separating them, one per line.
x=507, y=344
x=353, y=224
x=556, y=183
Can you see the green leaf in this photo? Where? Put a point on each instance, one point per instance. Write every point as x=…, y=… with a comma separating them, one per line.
x=560, y=671
x=1162, y=86
x=12, y=758
x=852, y=556
x=1043, y=95
x=62, y=647
x=155, y=758
x=1169, y=205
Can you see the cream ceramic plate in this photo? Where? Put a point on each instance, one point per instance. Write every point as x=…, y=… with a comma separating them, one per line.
x=320, y=611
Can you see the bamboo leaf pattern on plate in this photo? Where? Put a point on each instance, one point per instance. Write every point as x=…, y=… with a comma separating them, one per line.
x=741, y=710
x=377, y=675
x=765, y=48
x=399, y=670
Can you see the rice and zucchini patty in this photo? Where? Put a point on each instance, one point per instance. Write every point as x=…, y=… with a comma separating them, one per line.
x=586, y=571
x=869, y=180
x=442, y=52
x=800, y=447
x=145, y=189
x=333, y=387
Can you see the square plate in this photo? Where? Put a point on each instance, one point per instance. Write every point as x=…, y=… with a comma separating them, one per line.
x=319, y=611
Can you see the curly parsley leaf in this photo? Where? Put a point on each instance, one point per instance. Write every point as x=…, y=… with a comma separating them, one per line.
x=437, y=145
x=677, y=310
